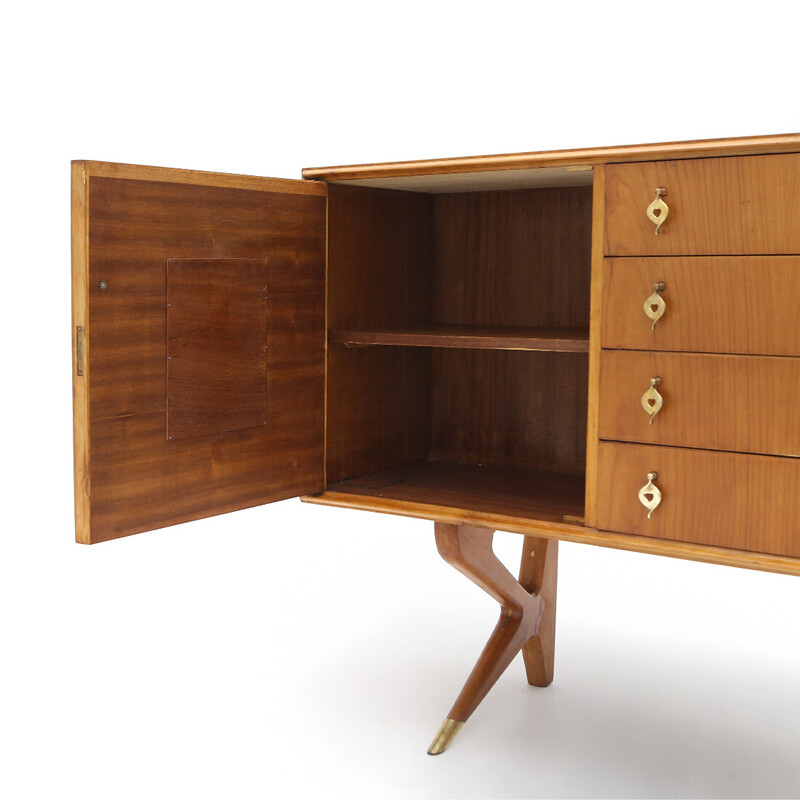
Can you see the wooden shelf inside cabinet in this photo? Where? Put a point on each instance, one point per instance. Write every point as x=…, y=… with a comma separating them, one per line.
x=470, y=337
x=504, y=491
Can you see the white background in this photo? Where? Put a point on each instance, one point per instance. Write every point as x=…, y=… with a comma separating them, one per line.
x=300, y=651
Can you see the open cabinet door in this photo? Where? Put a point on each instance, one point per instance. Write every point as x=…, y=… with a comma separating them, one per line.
x=198, y=344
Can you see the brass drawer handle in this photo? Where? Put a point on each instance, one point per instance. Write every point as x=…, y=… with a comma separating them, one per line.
x=652, y=400
x=650, y=494
x=658, y=210
x=655, y=306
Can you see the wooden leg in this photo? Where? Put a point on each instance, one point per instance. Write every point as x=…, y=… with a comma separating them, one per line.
x=538, y=575
x=527, y=615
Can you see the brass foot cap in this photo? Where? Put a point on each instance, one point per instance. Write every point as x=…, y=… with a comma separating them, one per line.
x=447, y=733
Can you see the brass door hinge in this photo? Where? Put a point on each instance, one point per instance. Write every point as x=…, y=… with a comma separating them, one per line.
x=79, y=349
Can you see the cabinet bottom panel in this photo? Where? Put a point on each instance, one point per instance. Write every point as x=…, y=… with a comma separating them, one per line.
x=520, y=493
x=733, y=500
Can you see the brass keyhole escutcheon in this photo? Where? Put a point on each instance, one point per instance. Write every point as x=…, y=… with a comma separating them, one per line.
x=654, y=306
x=650, y=494
x=652, y=399
x=658, y=210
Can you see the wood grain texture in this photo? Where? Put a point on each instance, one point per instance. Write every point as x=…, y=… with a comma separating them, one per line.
x=139, y=480
x=191, y=177
x=379, y=259
x=379, y=266
x=443, y=273
x=469, y=550
x=509, y=408
x=566, y=531
x=544, y=496
x=743, y=145
x=80, y=383
x=538, y=575
x=474, y=337
x=513, y=258
x=717, y=206
x=216, y=345
x=378, y=409
x=720, y=402
x=724, y=304
x=596, y=320
x=745, y=502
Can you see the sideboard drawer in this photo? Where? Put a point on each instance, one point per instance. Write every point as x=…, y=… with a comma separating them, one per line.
x=720, y=402
x=740, y=205
x=733, y=500
x=723, y=304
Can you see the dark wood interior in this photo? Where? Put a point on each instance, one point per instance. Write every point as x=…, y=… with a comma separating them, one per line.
x=380, y=259
x=522, y=493
x=458, y=338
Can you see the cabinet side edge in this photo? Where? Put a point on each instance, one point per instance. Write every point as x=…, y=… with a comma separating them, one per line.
x=595, y=324
x=80, y=349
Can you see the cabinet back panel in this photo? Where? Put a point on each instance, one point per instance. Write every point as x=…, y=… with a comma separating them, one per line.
x=398, y=259
x=510, y=408
x=513, y=258
x=379, y=258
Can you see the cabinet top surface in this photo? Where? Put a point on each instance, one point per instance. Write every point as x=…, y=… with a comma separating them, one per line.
x=577, y=159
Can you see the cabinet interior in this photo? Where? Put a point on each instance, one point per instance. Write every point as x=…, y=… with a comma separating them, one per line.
x=458, y=324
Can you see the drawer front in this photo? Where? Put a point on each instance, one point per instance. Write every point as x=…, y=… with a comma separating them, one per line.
x=714, y=305
x=741, y=205
x=743, y=403
x=745, y=502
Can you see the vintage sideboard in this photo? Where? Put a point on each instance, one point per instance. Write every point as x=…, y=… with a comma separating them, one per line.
x=597, y=345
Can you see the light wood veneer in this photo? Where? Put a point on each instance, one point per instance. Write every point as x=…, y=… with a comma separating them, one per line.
x=512, y=162
x=717, y=402
x=747, y=502
x=717, y=206
x=719, y=304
